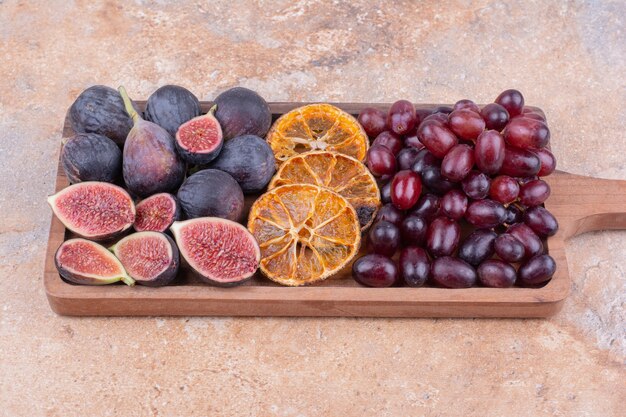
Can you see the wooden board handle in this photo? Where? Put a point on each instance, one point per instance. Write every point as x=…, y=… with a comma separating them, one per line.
x=584, y=204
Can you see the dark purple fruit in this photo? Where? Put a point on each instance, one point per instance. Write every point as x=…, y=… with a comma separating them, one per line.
x=384, y=238
x=373, y=120
x=512, y=100
x=375, y=271
x=249, y=160
x=390, y=213
x=390, y=141
x=450, y=272
x=241, y=111
x=476, y=185
x=211, y=193
x=435, y=182
x=381, y=161
x=150, y=258
x=509, y=248
x=454, y=204
x=485, y=213
x=477, y=247
x=385, y=193
x=532, y=243
x=466, y=104
x=220, y=251
x=537, y=270
x=94, y=210
x=91, y=157
x=414, y=266
x=84, y=262
x=413, y=230
x=151, y=164
x=199, y=140
x=424, y=159
x=458, y=162
x=406, y=158
x=100, y=109
x=514, y=214
x=170, y=106
x=496, y=274
x=495, y=116
x=442, y=237
x=427, y=207
x=542, y=222
x=157, y=213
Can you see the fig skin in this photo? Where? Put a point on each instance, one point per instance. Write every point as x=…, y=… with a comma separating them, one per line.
x=200, y=158
x=249, y=160
x=170, y=106
x=176, y=217
x=168, y=275
x=241, y=111
x=211, y=193
x=150, y=162
x=100, y=109
x=91, y=157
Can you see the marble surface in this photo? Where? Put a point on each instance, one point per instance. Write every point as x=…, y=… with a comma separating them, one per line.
x=567, y=57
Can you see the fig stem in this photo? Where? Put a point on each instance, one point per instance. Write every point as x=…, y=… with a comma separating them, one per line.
x=128, y=104
x=212, y=109
x=128, y=281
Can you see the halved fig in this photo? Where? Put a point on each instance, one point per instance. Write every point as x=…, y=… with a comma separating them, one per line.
x=200, y=140
x=157, y=213
x=85, y=262
x=150, y=258
x=220, y=251
x=94, y=210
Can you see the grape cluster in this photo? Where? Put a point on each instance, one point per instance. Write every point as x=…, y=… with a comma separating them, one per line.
x=462, y=196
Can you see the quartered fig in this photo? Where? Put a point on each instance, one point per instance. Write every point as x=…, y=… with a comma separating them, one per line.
x=157, y=213
x=94, y=210
x=200, y=140
x=170, y=106
x=84, y=262
x=241, y=111
x=211, y=193
x=91, y=157
x=150, y=258
x=220, y=251
x=150, y=162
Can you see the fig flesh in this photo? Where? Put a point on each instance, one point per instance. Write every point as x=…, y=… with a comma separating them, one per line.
x=199, y=141
x=241, y=111
x=211, y=193
x=157, y=213
x=150, y=162
x=91, y=157
x=94, y=210
x=84, y=262
x=249, y=160
x=150, y=258
x=220, y=251
x=100, y=109
x=170, y=106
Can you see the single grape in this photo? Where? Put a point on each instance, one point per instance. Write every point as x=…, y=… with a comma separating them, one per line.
x=450, y=272
x=512, y=101
x=381, y=161
x=414, y=266
x=423, y=160
x=537, y=270
x=476, y=185
x=535, y=113
x=385, y=193
x=389, y=140
x=466, y=124
x=384, y=238
x=437, y=138
x=442, y=237
x=454, y=204
x=495, y=116
x=547, y=160
x=406, y=158
x=443, y=109
x=375, y=271
x=533, y=116
x=534, y=193
x=489, y=151
x=496, y=274
x=441, y=118
x=457, y=163
x=374, y=121
x=406, y=188
x=520, y=163
x=478, y=246
x=509, y=248
x=466, y=104
x=435, y=182
x=485, y=213
x=542, y=222
x=401, y=117
x=389, y=213
x=428, y=207
x=413, y=230
x=504, y=189
x=524, y=132
x=532, y=243
x=514, y=214
x=412, y=141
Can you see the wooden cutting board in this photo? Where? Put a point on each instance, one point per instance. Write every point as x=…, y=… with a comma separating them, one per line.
x=580, y=204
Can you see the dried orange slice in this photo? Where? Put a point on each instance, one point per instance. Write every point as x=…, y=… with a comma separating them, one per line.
x=317, y=127
x=305, y=232
x=341, y=173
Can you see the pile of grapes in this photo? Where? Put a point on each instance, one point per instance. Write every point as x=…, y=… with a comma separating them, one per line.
x=453, y=172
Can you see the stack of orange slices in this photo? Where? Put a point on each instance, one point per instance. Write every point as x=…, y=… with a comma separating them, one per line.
x=308, y=224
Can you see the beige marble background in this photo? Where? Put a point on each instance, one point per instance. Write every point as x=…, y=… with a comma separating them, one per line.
x=567, y=57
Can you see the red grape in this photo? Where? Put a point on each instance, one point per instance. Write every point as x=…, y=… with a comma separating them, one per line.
x=495, y=116
x=389, y=140
x=523, y=132
x=496, y=274
x=390, y=214
x=423, y=160
x=504, y=189
x=414, y=266
x=513, y=214
x=401, y=117
x=454, y=204
x=375, y=271
x=489, y=151
x=385, y=193
x=466, y=124
x=437, y=138
x=542, y=222
x=441, y=118
x=427, y=207
x=532, y=244
x=384, y=238
x=485, y=213
x=442, y=237
x=520, y=163
x=457, y=163
x=537, y=270
x=406, y=188
x=437, y=183
x=381, y=161
x=452, y=273
x=413, y=230
x=478, y=246
x=406, y=158
x=531, y=115
x=509, y=248
x=373, y=121
x=466, y=104
x=411, y=140
x=512, y=101
x=534, y=193
x=476, y=185
x=548, y=161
